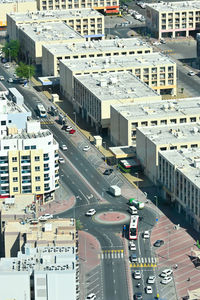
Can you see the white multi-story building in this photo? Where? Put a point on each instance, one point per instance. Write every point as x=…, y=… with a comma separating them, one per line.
x=86, y=21
x=125, y=118
x=151, y=140
x=178, y=174
x=173, y=19
x=52, y=54
x=95, y=93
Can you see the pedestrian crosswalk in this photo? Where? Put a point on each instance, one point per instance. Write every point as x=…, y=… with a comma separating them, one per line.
x=47, y=122
x=112, y=254
x=145, y=262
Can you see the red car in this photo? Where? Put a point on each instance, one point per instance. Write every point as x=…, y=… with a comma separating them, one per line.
x=72, y=131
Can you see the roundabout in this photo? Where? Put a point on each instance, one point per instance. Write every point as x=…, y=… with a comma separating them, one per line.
x=112, y=218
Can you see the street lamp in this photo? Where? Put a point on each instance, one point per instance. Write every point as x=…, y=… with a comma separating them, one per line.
x=74, y=117
x=156, y=200
x=104, y=143
x=137, y=184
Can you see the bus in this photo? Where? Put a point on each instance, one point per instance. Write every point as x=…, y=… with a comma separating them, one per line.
x=137, y=204
x=133, y=228
x=41, y=111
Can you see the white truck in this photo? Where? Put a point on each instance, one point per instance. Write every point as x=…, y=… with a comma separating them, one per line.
x=115, y=190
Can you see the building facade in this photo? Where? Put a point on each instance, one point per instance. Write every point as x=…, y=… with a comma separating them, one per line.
x=178, y=174
x=86, y=21
x=173, y=19
x=156, y=113
x=52, y=54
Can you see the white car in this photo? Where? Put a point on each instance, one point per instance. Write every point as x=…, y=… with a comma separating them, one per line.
x=91, y=296
x=90, y=212
x=156, y=43
x=166, y=280
x=191, y=73
x=63, y=147
x=7, y=66
x=149, y=290
x=45, y=217
x=86, y=148
x=132, y=247
x=166, y=273
x=151, y=279
x=146, y=234
x=2, y=77
x=61, y=160
x=68, y=128
x=137, y=275
x=10, y=80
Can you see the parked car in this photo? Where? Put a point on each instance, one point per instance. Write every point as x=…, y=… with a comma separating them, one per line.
x=63, y=147
x=149, y=290
x=61, y=160
x=7, y=66
x=91, y=296
x=158, y=243
x=90, y=212
x=151, y=279
x=108, y=171
x=45, y=217
x=166, y=280
x=138, y=296
x=162, y=41
x=146, y=234
x=68, y=128
x=2, y=77
x=166, y=273
x=86, y=148
x=156, y=43
x=72, y=131
x=191, y=73
x=137, y=274
x=10, y=80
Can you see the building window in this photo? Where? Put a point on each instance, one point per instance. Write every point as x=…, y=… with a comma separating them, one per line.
x=194, y=146
x=173, y=147
x=6, y=147
x=173, y=121
x=38, y=188
x=183, y=120
x=37, y=168
x=163, y=148
x=14, y=169
x=193, y=119
x=15, y=189
x=3, y=122
x=184, y=146
x=37, y=178
x=14, y=159
x=163, y=122
x=37, y=158
x=15, y=179
x=27, y=147
x=33, y=147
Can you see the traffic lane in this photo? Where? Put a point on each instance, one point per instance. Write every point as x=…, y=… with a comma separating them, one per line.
x=121, y=287
x=108, y=277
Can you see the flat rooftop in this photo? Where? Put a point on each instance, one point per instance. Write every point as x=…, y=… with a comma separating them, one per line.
x=175, y=6
x=184, y=161
x=59, y=15
x=98, y=46
x=172, y=134
x=14, y=1
x=116, y=86
x=18, y=206
x=158, y=110
x=10, y=107
x=50, y=31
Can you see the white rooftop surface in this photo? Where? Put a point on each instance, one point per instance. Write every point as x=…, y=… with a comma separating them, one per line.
x=50, y=31
x=15, y=1
x=116, y=86
x=162, y=109
x=172, y=134
x=176, y=6
x=184, y=160
x=9, y=107
x=98, y=46
x=54, y=15
x=15, y=285
x=118, y=62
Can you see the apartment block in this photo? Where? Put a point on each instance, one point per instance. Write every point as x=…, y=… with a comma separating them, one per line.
x=9, y=6
x=95, y=93
x=54, y=232
x=52, y=54
x=155, y=69
x=153, y=139
x=46, y=273
x=173, y=19
x=104, y=6
x=178, y=174
x=86, y=21
x=33, y=36
x=157, y=113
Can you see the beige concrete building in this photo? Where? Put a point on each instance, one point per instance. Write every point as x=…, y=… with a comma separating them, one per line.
x=95, y=93
x=52, y=54
x=55, y=232
x=107, y=6
x=155, y=69
x=153, y=139
x=12, y=6
x=33, y=36
x=173, y=19
x=178, y=174
x=166, y=112
x=86, y=21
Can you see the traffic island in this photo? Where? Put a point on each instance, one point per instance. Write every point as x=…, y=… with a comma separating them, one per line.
x=112, y=217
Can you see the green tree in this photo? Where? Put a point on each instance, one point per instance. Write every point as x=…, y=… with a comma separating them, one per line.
x=11, y=49
x=25, y=71
x=79, y=225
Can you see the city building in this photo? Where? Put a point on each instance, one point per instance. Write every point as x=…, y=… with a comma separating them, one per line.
x=155, y=69
x=54, y=232
x=178, y=175
x=86, y=21
x=52, y=54
x=41, y=273
x=94, y=93
x=107, y=6
x=173, y=19
x=33, y=36
x=125, y=118
x=28, y=161
x=8, y=6
x=151, y=140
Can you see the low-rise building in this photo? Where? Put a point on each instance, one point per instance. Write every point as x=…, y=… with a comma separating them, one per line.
x=178, y=174
x=86, y=21
x=53, y=53
x=95, y=93
x=173, y=19
x=155, y=69
x=153, y=139
x=107, y=6
x=33, y=36
x=125, y=118
x=8, y=6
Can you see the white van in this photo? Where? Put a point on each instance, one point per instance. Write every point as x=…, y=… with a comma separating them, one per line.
x=133, y=210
